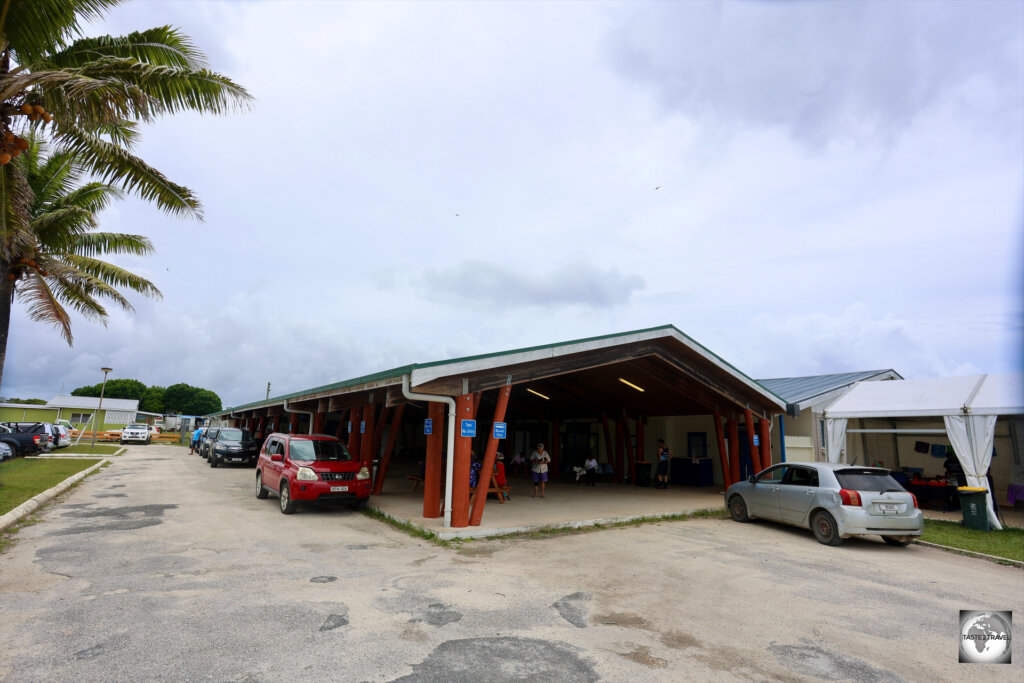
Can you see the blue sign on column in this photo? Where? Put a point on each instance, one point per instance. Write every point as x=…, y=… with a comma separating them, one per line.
x=362, y=426
x=757, y=441
x=350, y=426
x=499, y=430
x=469, y=428
x=428, y=426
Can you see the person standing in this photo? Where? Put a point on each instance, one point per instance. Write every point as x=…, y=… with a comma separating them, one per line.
x=664, y=457
x=196, y=433
x=590, y=466
x=539, y=460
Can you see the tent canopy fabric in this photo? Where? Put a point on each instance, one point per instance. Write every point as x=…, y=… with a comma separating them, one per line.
x=933, y=397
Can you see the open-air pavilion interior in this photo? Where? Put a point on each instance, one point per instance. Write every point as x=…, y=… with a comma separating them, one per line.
x=611, y=397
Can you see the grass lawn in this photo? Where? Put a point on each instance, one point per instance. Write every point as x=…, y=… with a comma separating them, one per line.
x=1008, y=543
x=98, y=449
x=22, y=479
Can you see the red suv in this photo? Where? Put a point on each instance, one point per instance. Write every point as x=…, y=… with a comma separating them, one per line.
x=308, y=468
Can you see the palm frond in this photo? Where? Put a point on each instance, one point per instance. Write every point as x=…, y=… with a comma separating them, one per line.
x=33, y=28
x=76, y=97
x=43, y=306
x=162, y=45
x=113, y=164
x=16, y=236
x=96, y=243
x=112, y=276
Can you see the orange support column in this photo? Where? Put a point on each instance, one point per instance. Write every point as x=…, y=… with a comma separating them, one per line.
x=734, y=448
x=366, y=437
x=342, y=424
x=378, y=432
x=432, y=466
x=293, y=423
x=755, y=457
x=727, y=479
x=318, y=422
x=461, y=462
x=385, y=460
x=766, y=442
x=489, y=455
x=354, y=440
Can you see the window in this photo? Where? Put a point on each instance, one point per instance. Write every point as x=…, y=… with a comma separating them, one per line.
x=867, y=480
x=80, y=418
x=697, y=444
x=801, y=476
x=773, y=475
x=301, y=449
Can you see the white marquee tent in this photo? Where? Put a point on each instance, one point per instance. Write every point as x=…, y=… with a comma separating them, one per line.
x=969, y=407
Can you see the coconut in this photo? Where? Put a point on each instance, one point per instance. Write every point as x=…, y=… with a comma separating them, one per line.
x=27, y=109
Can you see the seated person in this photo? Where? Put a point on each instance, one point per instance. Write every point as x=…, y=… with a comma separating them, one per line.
x=499, y=471
x=519, y=465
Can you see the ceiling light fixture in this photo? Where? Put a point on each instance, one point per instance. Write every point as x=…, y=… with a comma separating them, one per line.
x=537, y=393
x=630, y=384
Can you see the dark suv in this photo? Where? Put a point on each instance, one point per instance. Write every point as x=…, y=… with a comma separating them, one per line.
x=231, y=444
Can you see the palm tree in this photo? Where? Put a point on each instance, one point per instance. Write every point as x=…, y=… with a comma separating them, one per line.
x=66, y=271
x=88, y=95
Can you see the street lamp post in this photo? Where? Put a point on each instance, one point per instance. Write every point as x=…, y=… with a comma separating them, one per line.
x=100, y=407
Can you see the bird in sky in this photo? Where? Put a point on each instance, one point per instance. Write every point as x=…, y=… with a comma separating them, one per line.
x=658, y=187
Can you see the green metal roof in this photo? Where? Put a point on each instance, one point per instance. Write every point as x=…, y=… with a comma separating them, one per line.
x=407, y=369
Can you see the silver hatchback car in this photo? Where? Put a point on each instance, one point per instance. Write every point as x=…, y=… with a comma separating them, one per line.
x=834, y=501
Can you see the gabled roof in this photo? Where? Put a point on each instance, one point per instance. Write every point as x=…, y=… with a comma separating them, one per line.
x=662, y=355
x=92, y=403
x=801, y=393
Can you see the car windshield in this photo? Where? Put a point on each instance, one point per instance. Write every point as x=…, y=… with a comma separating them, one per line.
x=301, y=449
x=867, y=480
x=135, y=427
x=233, y=435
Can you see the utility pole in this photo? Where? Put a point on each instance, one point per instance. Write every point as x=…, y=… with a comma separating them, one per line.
x=100, y=406
x=268, y=390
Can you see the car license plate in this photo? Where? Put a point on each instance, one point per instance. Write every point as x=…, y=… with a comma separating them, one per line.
x=337, y=489
x=889, y=507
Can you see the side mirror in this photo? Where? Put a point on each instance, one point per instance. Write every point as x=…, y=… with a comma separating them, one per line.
x=277, y=457
x=751, y=479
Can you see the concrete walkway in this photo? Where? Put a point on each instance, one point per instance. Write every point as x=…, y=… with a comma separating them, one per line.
x=572, y=506
x=564, y=505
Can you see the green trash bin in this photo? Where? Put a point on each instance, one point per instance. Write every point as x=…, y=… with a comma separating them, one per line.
x=975, y=507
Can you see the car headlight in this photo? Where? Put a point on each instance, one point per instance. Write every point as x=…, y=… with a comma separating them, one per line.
x=306, y=474
x=221, y=449
x=363, y=473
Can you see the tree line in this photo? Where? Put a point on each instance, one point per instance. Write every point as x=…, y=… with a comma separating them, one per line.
x=181, y=398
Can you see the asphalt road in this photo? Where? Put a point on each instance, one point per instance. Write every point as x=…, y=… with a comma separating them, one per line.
x=159, y=568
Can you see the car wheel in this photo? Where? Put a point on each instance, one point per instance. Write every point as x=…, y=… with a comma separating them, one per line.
x=825, y=529
x=738, y=509
x=285, y=498
x=213, y=460
x=122, y=442
x=901, y=541
x=261, y=491
x=358, y=505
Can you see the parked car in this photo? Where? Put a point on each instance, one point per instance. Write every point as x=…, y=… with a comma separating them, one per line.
x=6, y=452
x=834, y=501
x=135, y=432
x=310, y=468
x=24, y=438
x=204, y=441
x=233, y=445
x=153, y=430
x=63, y=437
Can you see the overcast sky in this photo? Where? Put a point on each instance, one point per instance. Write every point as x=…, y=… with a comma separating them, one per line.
x=804, y=188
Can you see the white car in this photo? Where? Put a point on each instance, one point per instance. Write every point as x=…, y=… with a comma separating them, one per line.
x=135, y=432
x=63, y=439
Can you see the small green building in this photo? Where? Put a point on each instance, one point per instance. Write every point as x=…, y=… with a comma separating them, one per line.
x=78, y=410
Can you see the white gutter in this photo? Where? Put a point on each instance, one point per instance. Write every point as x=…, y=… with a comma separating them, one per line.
x=301, y=412
x=434, y=398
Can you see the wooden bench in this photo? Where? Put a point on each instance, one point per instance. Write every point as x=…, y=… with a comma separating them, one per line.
x=499, y=491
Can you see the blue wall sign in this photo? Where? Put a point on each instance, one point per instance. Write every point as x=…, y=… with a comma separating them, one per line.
x=350, y=426
x=362, y=426
x=428, y=426
x=499, y=430
x=757, y=441
x=469, y=428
